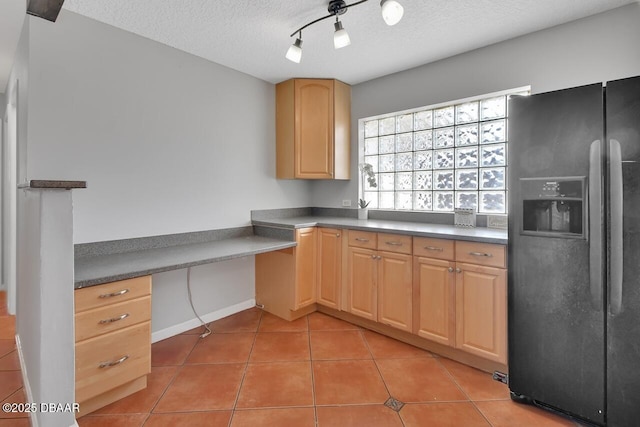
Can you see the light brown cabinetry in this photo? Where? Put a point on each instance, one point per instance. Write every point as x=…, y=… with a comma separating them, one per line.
x=481, y=301
x=313, y=129
x=379, y=275
x=286, y=279
x=460, y=295
x=434, y=300
x=113, y=341
x=329, y=277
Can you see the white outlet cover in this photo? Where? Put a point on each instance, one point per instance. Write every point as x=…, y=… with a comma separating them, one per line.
x=346, y=203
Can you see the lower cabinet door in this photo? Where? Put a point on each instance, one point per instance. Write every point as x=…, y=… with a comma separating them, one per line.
x=305, y=284
x=362, y=283
x=434, y=300
x=329, y=267
x=395, y=306
x=481, y=311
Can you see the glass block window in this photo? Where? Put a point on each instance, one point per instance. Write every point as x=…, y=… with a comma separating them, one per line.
x=442, y=157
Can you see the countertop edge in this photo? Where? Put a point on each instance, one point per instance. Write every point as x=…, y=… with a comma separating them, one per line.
x=143, y=271
x=457, y=233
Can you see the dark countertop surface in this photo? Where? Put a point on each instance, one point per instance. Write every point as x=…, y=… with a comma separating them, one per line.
x=98, y=269
x=479, y=234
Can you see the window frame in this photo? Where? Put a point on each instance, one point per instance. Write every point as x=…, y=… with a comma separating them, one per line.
x=455, y=169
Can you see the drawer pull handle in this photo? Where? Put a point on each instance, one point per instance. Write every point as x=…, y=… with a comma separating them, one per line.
x=480, y=254
x=433, y=248
x=394, y=243
x=114, y=319
x=360, y=239
x=114, y=363
x=114, y=294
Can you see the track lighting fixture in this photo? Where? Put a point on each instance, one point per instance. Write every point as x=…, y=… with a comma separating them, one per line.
x=294, y=54
x=340, y=37
x=392, y=12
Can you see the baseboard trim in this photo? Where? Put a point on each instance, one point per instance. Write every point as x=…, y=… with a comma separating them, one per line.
x=194, y=323
x=426, y=344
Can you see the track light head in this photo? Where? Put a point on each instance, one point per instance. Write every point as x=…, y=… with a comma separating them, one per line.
x=340, y=37
x=392, y=11
x=294, y=54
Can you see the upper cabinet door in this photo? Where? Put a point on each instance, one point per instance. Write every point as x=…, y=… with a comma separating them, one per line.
x=313, y=129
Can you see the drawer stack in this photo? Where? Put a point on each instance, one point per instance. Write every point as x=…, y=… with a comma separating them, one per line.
x=113, y=341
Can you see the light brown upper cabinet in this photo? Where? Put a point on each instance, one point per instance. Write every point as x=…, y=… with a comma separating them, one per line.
x=313, y=119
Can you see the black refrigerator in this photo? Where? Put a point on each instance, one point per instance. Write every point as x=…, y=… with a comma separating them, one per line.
x=574, y=251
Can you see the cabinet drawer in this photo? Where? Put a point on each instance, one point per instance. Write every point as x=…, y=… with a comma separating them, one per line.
x=101, y=320
x=395, y=243
x=110, y=293
x=481, y=253
x=434, y=248
x=94, y=376
x=362, y=239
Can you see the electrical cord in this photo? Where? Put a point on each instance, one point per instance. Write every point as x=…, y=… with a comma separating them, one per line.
x=206, y=326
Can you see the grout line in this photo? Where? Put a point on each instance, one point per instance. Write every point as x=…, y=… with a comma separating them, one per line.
x=246, y=367
x=170, y=383
x=375, y=363
x=455, y=381
x=313, y=378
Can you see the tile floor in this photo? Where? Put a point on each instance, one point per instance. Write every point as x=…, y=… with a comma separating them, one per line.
x=258, y=370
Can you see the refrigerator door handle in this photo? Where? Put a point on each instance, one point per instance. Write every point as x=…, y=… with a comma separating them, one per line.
x=616, y=227
x=595, y=224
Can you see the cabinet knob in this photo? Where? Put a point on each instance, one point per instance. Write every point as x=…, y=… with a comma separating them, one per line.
x=458, y=270
x=337, y=234
x=379, y=257
x=450, y=269
x=373, y=257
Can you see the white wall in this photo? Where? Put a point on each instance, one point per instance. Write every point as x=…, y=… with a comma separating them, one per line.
x=598, y=48
x=214, y=288
x=14, y=156
x=168, y=142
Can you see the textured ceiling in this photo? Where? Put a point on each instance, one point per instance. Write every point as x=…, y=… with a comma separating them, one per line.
x=252, y=36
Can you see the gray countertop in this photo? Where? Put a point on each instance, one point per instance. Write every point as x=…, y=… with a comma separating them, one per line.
x=164, y=253
x=97, y=269
x=484, y=235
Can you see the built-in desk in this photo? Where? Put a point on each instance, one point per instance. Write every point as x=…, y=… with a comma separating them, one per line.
x=113, y=301
x=105, y=262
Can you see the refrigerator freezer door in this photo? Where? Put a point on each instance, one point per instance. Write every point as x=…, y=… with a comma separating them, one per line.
x=623, y=318
x=556, y=336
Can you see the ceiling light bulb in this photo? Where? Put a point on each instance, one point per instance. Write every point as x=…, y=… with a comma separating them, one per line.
x=392, y=11
x=340, y=37
x=294, y=54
